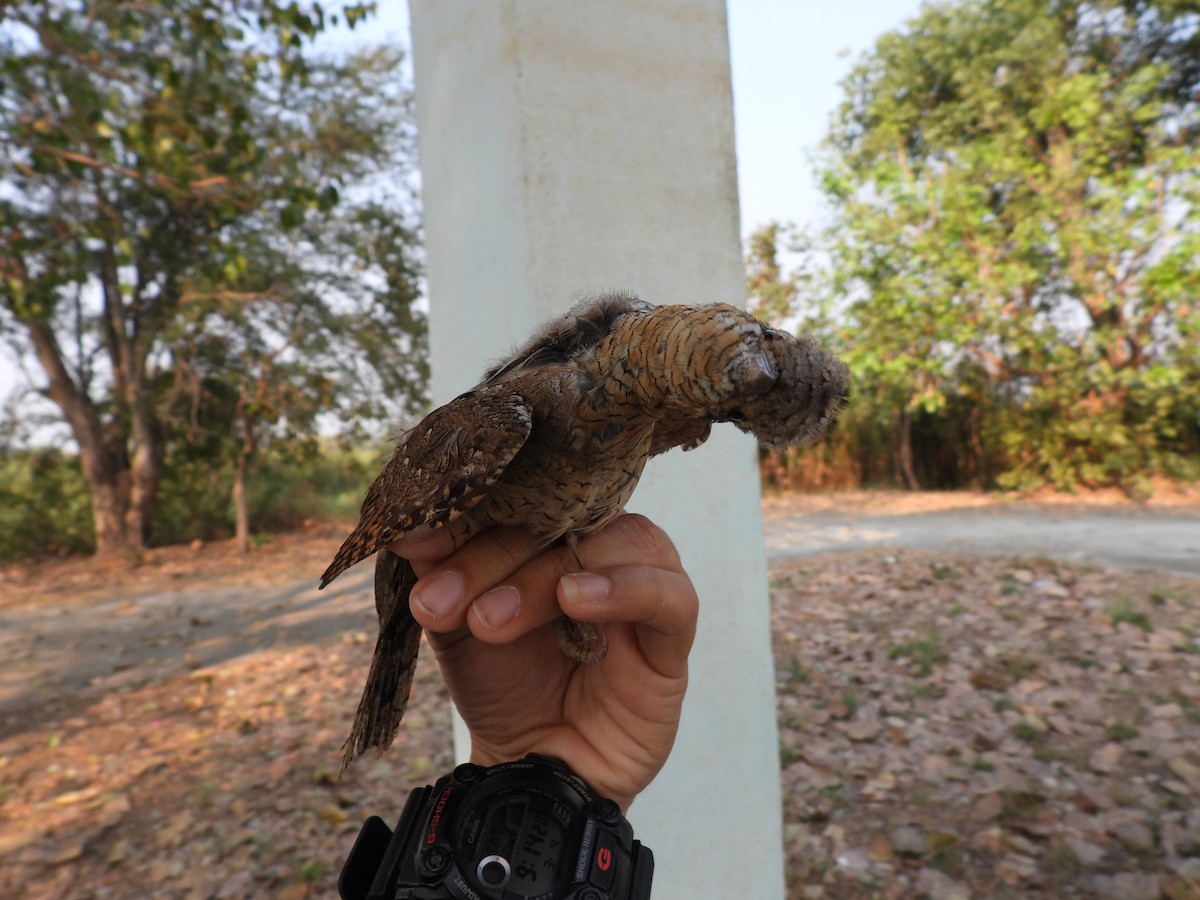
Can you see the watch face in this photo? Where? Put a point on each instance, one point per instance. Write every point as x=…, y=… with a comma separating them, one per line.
x=518, y=844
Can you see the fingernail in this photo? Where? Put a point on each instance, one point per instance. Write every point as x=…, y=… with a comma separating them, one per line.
x=498, y=607
x=439, y=597
x=585, y=587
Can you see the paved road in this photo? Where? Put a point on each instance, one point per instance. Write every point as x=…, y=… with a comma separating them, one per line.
x=1167, y=542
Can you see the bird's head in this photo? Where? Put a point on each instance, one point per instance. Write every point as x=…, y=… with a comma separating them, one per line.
x=782, y=389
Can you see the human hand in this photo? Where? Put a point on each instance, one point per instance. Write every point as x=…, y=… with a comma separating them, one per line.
x=486, y=610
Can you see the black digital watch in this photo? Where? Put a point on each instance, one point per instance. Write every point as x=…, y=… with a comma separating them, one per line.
x=527, y=830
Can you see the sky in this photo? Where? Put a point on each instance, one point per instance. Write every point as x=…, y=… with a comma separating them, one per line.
x=788, y=57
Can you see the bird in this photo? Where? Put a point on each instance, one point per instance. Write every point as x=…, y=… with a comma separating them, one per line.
x=553, y=440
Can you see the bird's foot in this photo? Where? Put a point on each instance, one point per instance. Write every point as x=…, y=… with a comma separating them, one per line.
x=581, y=641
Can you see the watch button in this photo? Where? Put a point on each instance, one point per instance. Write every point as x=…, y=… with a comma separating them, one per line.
x=607, y=811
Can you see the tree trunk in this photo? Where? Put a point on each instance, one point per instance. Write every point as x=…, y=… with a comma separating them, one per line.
x=126, y=343
x=906, y=455
x=240, y=504
x=145, y=477
x=240, y=507
x=105, y=471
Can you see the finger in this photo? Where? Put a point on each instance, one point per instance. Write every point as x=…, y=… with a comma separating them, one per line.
x=660, y=603
x=629, y=539
x=424, y=543
x=528, y=597
x=447, y=588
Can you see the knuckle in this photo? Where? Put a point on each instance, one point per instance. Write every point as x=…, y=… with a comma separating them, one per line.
x=509, y=548
x=649, y=540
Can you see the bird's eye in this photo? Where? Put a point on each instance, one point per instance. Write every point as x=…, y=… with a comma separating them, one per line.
x=735, y=415
x=770, y=334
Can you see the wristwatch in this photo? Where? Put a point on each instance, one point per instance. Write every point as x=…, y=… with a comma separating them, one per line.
x=524, y=830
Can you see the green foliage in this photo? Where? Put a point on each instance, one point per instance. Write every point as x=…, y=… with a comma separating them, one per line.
x=923, y=652
x=45, y=509
x=44, y=506
x=1124, y=611
x=777, y=295
x=1016, y=185
x=208, y=232
x=288, y=485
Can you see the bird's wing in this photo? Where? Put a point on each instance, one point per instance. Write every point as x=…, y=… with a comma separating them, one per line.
x=686, y=433
x=563, y=339
x=442, y=468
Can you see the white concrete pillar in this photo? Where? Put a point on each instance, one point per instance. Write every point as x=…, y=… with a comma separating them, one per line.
x=570, y=146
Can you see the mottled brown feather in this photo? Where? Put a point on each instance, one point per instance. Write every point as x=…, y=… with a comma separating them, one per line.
x=553, y=441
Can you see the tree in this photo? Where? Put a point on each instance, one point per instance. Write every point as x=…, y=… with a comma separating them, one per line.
x=784, y=287
x=166, y=168
x=324, y=319
x=1017, y=192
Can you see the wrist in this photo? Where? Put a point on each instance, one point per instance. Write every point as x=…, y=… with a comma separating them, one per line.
x=599, y=777
x=527, y=828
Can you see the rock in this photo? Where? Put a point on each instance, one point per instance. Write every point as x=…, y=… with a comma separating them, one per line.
x=818, y=779
x=1126, y=886
x=862, y=732
x=14, y=841
x=879, y=788
x=1091, y=799
x=987, y=737
x=939, y=886
x=1049, y=588
x=1061, y=724
x=1193, y=821
x=1186, y=770
x=1035, y=722
x=820, y=760
x=1086, y=853
x=853, y=860
x=1016, y=868
x=1188, y=868
x=838, y=710
x=987, y=807
x=1166, y=711
x=1173, y=840
x=332, y=813
x=990, y=840
x=907, y=840
x=879, y=849
x=935, y=764
x=1020, y=844
x=65, y=851
x=1106, y=758
x=1135, y=836
x=943, y=843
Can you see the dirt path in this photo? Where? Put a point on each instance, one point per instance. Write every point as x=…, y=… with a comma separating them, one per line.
x=951, y=726
x=1117, y=537
x=145, y=628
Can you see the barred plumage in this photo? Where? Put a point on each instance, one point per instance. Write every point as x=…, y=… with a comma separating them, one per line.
x=554, y=439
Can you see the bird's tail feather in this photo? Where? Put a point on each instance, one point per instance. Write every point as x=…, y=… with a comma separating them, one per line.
x=385, y=695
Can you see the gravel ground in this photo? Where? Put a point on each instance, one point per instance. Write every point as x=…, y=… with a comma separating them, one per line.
x=959, y=727
x=950, y=726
